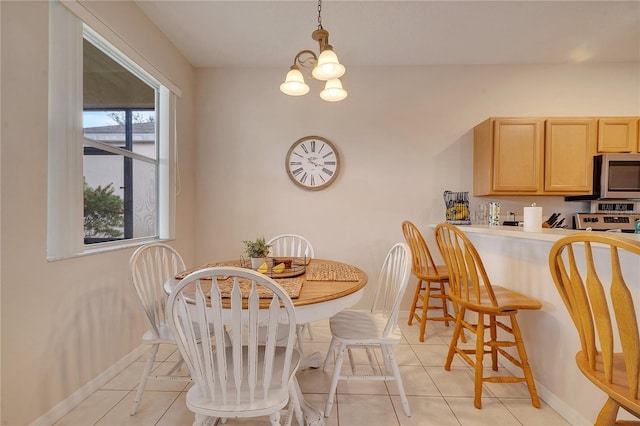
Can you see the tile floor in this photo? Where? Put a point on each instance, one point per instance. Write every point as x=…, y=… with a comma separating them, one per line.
x=436, y=396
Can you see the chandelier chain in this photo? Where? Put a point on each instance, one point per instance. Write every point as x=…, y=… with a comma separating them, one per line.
x=319, y=14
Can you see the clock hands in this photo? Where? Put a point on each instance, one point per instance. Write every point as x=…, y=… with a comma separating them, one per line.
x=314, y=163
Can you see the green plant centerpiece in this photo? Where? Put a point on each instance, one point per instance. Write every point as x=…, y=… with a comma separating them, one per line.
x=257, y=250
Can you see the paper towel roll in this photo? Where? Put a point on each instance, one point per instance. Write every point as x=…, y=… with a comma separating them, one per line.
x=532, y=218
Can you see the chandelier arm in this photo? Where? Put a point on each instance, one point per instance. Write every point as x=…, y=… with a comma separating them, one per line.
x=307, y=62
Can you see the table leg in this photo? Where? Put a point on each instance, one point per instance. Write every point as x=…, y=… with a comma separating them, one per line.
x=308, y=361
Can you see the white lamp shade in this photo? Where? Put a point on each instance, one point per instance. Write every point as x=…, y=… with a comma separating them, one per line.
x=328, y=67
x=294, y=84
x=333, y=91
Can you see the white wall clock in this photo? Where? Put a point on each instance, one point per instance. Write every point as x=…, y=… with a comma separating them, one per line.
x=312, y=163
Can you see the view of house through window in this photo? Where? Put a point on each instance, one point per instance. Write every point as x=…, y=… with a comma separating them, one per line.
x=120, y=151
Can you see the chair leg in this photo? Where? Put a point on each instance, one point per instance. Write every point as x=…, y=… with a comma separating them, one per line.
x=454, y=339
x=387, y=351
x=524, y=361
x=608, y=413
x=494, y=337
x=370, y=357
x=332, y=347
x=307, y=326
x=143, y=379
x=295, y=408
x=414, y=305
x=351, y=362
x=425, y=310
x=334, y=380
x=275, y=418
x=445, y=311
x=477, y=399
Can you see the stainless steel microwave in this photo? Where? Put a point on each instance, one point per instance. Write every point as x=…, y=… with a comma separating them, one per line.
x=615, y=176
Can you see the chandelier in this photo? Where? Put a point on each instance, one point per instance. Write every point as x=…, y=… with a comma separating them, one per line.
x=325, y=67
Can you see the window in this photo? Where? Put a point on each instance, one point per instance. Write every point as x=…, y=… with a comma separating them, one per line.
x=111, y=144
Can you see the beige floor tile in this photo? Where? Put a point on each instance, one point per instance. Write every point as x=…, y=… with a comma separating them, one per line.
x=129, y=378
x=164, y=352
x=315, y=380
x=431, y=337
x=366, y=410
x=93, y=408
x=168, y=385
x=457, y=382
x=436, y=356
x=177, y=414
x=415, y=380
x=527, y=414
x=493, y=412
x=153, y=406
x=403, y=354
x=318, y=400
x=425, y=411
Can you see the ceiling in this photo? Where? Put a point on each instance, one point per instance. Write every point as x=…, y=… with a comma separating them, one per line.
x=401, y=33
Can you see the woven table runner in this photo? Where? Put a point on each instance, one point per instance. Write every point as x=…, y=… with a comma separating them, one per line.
x=331, y=272
x=292, y=286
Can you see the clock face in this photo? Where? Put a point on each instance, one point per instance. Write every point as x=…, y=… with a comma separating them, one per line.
x=312, y=163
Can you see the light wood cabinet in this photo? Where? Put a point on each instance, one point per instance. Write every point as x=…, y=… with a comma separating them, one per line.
x=570, y=144
x=508, y=156
x=534, y=156
x=618, y=134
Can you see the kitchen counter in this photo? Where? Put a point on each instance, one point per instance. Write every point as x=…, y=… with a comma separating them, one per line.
x=545, y=234
x=519, y=260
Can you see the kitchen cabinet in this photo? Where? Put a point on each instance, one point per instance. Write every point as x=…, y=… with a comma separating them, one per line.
x=569, y=147
x=508, y=156
x=618, y=134
x=533, y=156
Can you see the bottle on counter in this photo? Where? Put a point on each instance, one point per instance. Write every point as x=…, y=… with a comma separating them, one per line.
x=494, y=213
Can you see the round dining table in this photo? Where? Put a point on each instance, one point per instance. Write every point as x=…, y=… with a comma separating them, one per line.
x=325, y=288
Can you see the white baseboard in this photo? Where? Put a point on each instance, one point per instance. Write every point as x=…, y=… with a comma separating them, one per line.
x=73, y=400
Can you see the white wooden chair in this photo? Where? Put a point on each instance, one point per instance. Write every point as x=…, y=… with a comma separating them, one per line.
x=293, y=245
x=149, y=267
x=375, y=328
x=252, y=376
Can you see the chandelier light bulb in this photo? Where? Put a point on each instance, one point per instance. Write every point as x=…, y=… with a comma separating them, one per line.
x=294, y=84
x=328, y=66
x=333, y=91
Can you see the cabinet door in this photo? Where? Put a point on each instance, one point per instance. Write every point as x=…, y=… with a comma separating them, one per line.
x=518, y=155
x=570, y=145
x=618, y=134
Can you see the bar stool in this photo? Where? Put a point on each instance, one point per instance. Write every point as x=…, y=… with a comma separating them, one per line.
x=471, y=289
x=432, y=280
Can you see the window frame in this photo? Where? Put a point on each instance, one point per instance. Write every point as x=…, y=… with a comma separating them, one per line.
x=69, y=24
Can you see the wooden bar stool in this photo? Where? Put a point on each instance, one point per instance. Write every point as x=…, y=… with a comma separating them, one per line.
x=432, y=281
x=602, y=307
x=471, y=289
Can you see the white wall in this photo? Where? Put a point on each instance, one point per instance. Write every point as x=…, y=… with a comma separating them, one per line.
x=65, y=322
x=405, y=135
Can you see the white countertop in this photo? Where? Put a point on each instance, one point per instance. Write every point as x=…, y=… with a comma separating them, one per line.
x=545, y=234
